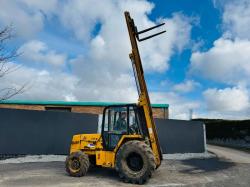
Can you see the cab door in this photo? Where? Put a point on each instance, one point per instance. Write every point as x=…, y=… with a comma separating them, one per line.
x=115, y=124
x=119, y=121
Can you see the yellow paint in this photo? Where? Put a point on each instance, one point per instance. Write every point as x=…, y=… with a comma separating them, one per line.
x=126, y=138
x=151, y=129
x=105, y=158
x=88, y=143
x=91, y=144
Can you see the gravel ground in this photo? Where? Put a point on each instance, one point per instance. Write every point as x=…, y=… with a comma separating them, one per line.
x=213, y=171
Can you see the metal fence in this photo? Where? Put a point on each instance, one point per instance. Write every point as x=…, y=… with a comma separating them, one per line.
x=180, y=136
x=50, y=132
x=41, y=132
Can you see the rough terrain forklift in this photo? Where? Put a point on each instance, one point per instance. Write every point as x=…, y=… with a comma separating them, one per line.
x=128, y=141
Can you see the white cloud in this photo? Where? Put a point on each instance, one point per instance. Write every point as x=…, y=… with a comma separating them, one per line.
x=186, y=86
x=37, y=52
x=103, y=71
x=179, y=107
x=236, y=18
x=102, y=82
x=40, y=84
x=25, y=23
x=26, y=16
x=81, y=17
x=40, y=5
x=227, y=62
x=156, y=53
x=228, y=99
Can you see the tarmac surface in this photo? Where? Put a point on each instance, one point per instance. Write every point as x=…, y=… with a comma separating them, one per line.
x=231, y=154
x=222, y=170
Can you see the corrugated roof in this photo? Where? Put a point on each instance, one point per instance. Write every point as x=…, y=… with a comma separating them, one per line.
x=71, y=103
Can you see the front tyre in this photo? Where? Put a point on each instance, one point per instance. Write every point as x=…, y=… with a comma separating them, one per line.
x=77, y=164
x=135, y=162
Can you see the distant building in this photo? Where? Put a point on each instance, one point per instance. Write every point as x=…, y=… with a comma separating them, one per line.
x=159, y=110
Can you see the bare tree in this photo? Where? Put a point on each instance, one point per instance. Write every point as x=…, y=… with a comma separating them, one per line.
x=6, y=56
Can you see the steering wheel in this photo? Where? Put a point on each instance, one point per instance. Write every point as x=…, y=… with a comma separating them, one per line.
x=133, y=129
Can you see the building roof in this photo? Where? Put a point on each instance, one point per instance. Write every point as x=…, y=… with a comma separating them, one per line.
x=71, y=103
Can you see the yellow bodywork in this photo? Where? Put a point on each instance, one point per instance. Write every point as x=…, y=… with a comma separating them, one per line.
x=91, y=144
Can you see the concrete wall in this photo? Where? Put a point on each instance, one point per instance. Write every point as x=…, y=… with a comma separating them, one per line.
x=50, y=132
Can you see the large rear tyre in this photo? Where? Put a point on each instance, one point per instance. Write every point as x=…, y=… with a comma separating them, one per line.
x=135, y=162
x=77, y=164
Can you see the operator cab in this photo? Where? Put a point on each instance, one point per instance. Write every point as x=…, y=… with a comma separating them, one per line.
x=119, y=120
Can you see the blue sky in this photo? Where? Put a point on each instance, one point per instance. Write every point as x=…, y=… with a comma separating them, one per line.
x=72, y=50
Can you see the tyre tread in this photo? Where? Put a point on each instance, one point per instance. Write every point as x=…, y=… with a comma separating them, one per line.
x=84, y=160
x=143, y=149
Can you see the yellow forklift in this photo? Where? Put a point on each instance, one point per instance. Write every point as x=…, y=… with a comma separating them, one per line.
x=128, y=141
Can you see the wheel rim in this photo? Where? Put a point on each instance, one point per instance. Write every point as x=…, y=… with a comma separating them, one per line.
x=134, y=161
x=74, y=164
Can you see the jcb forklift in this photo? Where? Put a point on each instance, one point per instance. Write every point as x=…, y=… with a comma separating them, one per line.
x=128, y=141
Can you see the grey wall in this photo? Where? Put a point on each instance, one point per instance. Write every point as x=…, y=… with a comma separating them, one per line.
x=50, y=132
x=41, y=132
x=180, y=136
